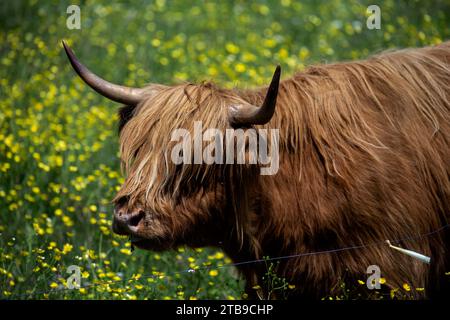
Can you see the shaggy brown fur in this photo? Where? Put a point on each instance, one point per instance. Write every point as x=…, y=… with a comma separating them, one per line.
x=364, y=157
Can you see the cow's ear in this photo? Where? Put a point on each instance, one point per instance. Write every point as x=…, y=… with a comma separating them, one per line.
x=247, y=115
x=125, y=114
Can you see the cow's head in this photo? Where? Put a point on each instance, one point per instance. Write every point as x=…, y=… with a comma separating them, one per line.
x=163, y=204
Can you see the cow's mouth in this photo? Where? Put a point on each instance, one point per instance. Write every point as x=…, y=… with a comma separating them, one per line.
x=147, y=244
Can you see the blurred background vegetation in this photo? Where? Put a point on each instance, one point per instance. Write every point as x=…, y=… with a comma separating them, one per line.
x=59, y=165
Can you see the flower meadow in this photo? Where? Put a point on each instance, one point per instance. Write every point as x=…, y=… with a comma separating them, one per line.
x=59, y=161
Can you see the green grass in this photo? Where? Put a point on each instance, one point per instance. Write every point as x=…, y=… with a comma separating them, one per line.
x=59, y=165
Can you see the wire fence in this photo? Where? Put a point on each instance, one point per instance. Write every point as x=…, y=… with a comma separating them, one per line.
x=236, y=264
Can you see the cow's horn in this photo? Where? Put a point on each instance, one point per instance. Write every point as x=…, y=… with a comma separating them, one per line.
x=244, y=115
x=122, y=94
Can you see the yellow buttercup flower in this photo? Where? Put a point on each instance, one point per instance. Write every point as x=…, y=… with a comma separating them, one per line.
x=213, y=273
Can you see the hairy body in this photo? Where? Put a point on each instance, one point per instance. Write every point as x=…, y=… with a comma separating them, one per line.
x=364, y=157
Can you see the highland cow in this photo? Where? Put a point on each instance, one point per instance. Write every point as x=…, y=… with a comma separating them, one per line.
x=364, y=157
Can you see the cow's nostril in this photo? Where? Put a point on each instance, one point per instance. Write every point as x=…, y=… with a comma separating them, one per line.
x=136, y=218
x=122, y=201
x=125, y=223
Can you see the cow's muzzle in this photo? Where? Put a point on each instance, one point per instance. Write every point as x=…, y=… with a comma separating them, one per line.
x=126, y=223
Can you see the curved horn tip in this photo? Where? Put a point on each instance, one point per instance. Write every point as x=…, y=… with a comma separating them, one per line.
x=72, y=58
x=118, y=93
x=67, y=49
x=277, y=70
x=250, y=115
x=65, y=45
x=274, y=84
